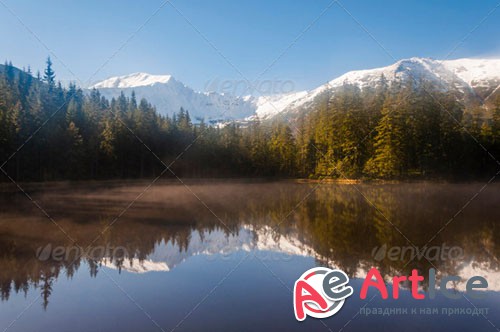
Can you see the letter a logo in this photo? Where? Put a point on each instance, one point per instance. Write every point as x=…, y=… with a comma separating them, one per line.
x=310, y=298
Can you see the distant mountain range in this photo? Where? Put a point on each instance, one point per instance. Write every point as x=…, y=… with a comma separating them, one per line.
x=471, y=80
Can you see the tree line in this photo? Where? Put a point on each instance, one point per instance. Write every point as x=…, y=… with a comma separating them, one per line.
x=387, y=132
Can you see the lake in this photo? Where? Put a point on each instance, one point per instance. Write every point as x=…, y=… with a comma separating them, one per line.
x=224, y=255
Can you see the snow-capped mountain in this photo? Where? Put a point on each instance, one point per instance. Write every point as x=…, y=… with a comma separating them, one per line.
x=169, y=95
x=470, y=79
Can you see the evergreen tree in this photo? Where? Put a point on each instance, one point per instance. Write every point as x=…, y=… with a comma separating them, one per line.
x=49, y=75
x=388, y=158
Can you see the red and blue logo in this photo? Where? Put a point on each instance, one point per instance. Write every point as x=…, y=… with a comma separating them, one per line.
x=320, y=293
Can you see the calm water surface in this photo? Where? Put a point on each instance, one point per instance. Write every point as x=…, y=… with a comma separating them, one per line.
x=224, y=256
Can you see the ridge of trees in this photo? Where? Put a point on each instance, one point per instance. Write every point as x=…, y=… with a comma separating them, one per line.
x=386, y=132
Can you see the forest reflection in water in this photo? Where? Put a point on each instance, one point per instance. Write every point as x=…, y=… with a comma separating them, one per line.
x=352, y=227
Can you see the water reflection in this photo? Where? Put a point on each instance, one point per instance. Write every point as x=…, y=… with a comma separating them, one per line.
x=338, y=225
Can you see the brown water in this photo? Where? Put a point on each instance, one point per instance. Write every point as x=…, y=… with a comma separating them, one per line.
x=224, y=256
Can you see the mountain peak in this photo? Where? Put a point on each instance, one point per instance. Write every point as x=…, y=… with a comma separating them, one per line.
x=467, y=70
x=132, y=80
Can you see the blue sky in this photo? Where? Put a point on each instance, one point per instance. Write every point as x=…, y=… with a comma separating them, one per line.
x=199, y=41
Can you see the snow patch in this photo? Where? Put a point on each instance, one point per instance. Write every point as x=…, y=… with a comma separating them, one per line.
x=132, y=80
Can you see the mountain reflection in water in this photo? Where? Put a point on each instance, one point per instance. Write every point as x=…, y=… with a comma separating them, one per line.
x=335, y=225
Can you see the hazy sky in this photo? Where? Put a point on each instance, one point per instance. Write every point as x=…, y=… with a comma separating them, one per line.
x=198, y=41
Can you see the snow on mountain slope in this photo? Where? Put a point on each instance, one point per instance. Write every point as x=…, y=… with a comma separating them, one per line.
x=466, y=71
x=415, y=68
x=268, y=106
x=132, y=81
x=169, y=95
x=475, y=72
x=135, y=265
x=471, y=78
x=464, y=76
